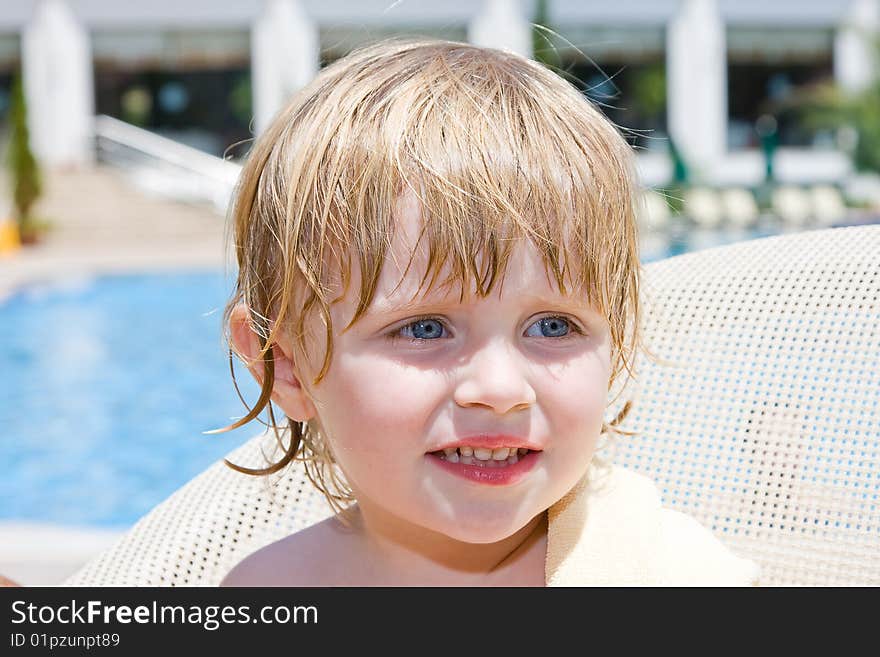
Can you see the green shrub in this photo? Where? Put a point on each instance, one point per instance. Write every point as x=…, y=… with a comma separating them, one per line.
x=827, y=105
x=23, y=168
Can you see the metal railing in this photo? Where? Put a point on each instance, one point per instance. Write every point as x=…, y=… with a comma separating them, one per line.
x=163, y=166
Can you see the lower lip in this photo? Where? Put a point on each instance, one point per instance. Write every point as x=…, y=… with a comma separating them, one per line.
x=501, y=476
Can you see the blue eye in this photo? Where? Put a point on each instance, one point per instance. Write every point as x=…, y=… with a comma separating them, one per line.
x=552, y=327
x=430, y=328
x=422, y=329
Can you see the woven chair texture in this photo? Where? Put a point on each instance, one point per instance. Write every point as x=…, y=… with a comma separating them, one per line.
x=759, y=416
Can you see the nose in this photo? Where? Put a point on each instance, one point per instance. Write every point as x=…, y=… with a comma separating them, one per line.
x=495, y=378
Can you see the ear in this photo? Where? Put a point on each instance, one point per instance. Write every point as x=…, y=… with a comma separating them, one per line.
x=287, y=391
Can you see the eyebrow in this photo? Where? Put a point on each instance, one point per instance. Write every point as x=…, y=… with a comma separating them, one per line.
x=385, y=308
x=573, y=303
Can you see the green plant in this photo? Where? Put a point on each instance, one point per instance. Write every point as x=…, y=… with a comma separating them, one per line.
x=23, y=168
x=649, y=90
x=241, y=100
x=544, y=48
x=826, y=105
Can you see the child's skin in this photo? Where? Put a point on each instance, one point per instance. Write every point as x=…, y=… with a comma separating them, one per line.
x=384, y=404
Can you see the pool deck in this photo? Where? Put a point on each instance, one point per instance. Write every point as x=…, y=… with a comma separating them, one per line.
x=101, y=224
x=34, y=554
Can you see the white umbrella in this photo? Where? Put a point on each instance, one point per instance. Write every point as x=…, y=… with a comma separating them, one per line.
x=696, y=65
x=284, y=54
x=502, y=25
x=854, y=62
x=59, y=85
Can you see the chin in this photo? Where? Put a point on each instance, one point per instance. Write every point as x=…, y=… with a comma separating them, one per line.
x=481, y=533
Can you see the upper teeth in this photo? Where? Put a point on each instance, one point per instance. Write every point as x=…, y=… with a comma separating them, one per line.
x=484, y=454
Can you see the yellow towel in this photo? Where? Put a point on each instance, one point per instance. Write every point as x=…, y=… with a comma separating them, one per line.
x=610, y=530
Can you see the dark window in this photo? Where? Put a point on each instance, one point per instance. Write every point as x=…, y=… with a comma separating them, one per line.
x=631, y=94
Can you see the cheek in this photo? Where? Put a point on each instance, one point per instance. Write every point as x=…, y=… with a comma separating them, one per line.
x=576, y=394
x=372, y=405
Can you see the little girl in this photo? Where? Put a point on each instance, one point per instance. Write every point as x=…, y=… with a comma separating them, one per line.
x=438, y=286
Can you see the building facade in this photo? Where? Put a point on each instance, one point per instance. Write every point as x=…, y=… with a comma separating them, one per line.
x=211, y=73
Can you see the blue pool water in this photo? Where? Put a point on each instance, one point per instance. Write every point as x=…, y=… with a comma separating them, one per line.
x=106, y=385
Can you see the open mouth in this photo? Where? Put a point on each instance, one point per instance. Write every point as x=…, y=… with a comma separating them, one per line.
x=491, y=467
x=484, y=458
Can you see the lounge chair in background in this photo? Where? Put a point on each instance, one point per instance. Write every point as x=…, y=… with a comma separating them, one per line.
x=792, y=205
x=863, y=190
x=703, y=207
x=739, y=207
x=828, y=205
x=653, y=211
x=758, y=416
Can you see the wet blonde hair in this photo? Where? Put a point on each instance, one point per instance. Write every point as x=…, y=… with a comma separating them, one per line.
x=495, y=147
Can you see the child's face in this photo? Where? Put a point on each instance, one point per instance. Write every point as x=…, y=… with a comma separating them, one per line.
x=482, y=367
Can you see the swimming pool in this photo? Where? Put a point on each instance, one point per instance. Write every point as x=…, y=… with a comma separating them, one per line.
x=107, y=384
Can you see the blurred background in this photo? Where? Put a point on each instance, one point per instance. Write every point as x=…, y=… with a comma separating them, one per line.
x=122, y=129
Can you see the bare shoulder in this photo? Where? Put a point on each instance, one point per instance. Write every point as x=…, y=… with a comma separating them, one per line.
x=306, y=558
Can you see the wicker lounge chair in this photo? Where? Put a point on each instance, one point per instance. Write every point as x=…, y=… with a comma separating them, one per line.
x=764, y=423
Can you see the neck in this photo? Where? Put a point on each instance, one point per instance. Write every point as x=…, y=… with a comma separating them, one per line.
x=400, y=553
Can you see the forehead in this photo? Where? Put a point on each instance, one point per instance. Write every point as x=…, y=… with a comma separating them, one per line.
x=402, y=282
